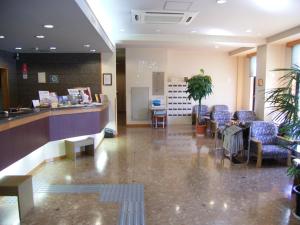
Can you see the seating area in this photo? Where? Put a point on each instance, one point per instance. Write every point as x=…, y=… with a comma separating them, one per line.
x=265, y=142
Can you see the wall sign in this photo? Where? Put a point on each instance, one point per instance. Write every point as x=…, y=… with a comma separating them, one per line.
x=53, y=78
x=260, y=82
x=41, y=77
x=107, y=79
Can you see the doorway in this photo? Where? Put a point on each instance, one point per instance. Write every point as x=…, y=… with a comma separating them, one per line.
x=121, y=86
x=4, y=89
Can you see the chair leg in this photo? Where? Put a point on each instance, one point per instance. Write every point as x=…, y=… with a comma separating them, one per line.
x=289, y=159
x=259, y=160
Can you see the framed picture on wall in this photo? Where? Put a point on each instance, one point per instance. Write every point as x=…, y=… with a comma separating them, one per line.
x=260, y=82
x=107, y=79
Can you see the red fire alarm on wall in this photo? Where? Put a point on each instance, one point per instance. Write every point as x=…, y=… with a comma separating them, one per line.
x=25, y=71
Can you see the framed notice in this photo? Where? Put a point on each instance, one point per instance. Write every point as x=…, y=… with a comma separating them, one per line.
x=107, y=79
x=260, y=82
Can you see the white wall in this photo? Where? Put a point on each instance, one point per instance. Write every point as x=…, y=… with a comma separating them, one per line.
x=141, y=62
x=276, y=58
x=108, y=65
x=269, y=57
x=261, y=70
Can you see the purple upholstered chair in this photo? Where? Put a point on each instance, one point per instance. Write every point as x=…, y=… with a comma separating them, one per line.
x=266, y=144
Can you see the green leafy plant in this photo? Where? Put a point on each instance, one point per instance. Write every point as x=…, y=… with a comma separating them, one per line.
x=284, y=101
x=293, y=171
x=199, y=86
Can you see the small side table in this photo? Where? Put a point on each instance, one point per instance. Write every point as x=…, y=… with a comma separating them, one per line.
x=20, y=186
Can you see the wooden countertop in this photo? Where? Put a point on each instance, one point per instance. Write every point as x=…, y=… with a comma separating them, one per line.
x=27, y=118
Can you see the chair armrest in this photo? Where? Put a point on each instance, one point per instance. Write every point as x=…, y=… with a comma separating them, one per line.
x=255, y=146
x=285, y=142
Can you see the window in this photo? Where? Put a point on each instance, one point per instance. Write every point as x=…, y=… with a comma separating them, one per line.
x=296, y=55
x=252, y=61
x=296, y=61
x=253, y=66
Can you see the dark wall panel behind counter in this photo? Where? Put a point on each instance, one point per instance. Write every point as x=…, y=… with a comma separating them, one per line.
x=7, y=60
x=73, y=69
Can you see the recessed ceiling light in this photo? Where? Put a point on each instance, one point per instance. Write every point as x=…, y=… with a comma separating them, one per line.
x=248, y=30
x=52, y=48
x=48, y=26
x=122, y=30
x=193, y=31
x=87, y=45
x=18, y=48
x=2, y=36
x=40, y=36
x=218, y=32
x=93, y=50
x=221, y=1
x=36, y=48
x=216, y=46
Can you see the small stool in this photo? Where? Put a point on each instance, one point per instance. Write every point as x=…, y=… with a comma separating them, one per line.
x=71, y=147
x=157, y=117
x=20, y=186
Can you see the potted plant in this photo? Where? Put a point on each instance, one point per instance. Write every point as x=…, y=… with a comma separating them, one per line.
x=198, y=87
x=285, y=102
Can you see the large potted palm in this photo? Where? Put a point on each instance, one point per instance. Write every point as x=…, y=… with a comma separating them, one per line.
x=198, y=87
x=285, y=103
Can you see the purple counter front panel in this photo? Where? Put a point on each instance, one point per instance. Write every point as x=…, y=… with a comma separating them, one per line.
x=72, y=125
x=16, y=143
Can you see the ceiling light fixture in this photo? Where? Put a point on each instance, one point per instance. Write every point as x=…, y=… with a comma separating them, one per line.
x=18, y=48
x=122, y=30
x=221, y=1
x=52, y=48
x=48, y=26
x=248, y=30
x=158, y=30
x=2, y=36
x=93, y=50
x=216, y=46
x=36, y=48
x=40, y=36
x=87, y=45
x=193, y=31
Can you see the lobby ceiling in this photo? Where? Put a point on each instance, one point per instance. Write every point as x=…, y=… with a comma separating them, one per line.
x=22, y=21
x=236, y=23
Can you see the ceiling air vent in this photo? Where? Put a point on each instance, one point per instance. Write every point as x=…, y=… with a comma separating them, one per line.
x=162, y=17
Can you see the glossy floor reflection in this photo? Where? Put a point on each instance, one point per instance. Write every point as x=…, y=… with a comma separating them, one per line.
x=186, y=182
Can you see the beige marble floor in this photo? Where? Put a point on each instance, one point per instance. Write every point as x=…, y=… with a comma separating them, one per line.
x=185, y=181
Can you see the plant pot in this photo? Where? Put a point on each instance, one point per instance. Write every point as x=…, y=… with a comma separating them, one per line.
x=297, y=209
x=200, y=129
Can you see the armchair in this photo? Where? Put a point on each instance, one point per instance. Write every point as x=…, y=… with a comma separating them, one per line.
x=245, y=116
x=218, y=108
x=266, y=144
x=219, y=119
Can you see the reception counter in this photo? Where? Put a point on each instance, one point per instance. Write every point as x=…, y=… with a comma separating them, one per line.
x=21, y=136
